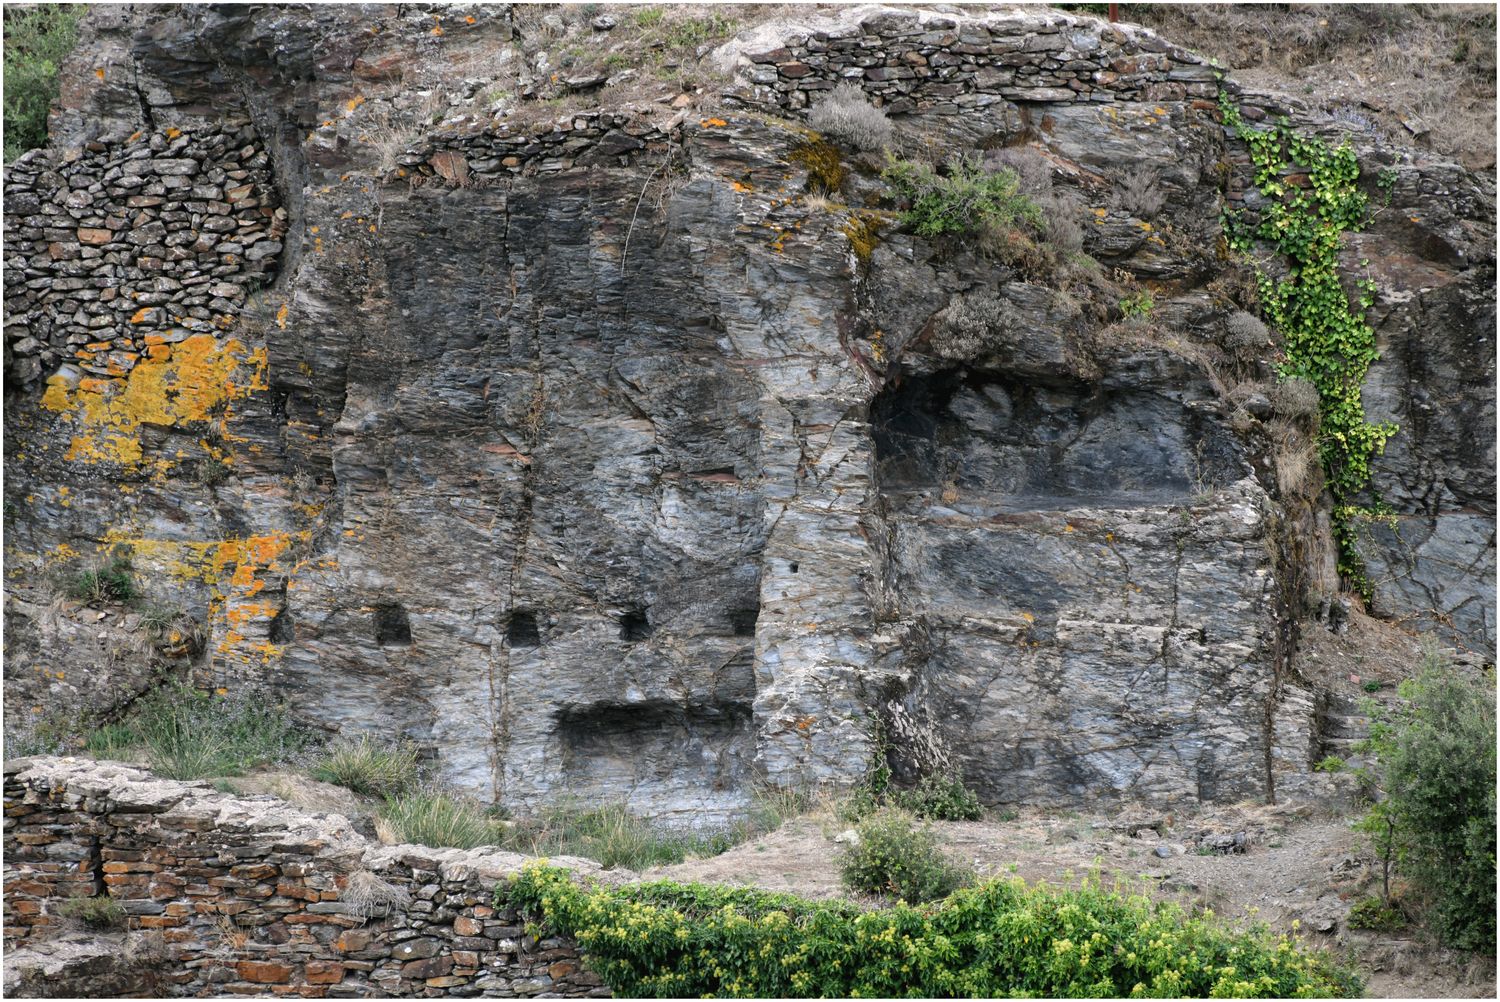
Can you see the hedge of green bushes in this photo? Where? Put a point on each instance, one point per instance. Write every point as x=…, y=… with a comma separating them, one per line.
x=1002, y=938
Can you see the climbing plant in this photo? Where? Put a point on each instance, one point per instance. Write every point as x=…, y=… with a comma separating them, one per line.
x=1326, y=339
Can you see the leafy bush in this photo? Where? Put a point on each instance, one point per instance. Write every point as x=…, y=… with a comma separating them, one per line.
x=37, y=39
x=1436, y=763
x=893, y=856
x=101, y=912
x=1138, y=306
x=106, y=582
x=188, y=734
x=963, y=199
x=1001, y=939
x=1330, y=764
x=370, y=767
x=940, y=797
x=849, y=117
x=1374, y=914
x=441, y=820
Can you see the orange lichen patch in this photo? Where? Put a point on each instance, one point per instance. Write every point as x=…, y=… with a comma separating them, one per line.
x=173, y=133
x=195, y=381
x=354, y=102
x=713, y=123
x=742, y=187
x=141, y=315
x=99, y=72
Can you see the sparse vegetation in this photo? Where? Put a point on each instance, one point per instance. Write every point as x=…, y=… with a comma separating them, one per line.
x=1374, y=914
x=1435, y=751
x=1331, y=763
x=1139, y=193
x=370, y=767
x=893, y=855
x=441, y=820
x=1295, y=399
x=185, y=733
x=1000, y=939
x=1137, y=306
x=847, y=115
x=38, y=37
x=99, y=912
x=961, y=199
x=941, y=797
x=1244, y=332
x=109, y=581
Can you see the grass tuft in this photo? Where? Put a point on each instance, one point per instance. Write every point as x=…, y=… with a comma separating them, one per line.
x=370, y=767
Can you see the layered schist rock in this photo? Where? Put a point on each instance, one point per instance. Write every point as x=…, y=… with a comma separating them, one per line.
x=601, y=462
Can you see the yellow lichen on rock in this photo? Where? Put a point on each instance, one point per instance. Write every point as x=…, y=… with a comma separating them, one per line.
x=193, y=382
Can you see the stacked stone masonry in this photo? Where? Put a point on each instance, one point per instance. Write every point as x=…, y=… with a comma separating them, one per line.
x=118, y=250
x=252, y=897
x=929, y=63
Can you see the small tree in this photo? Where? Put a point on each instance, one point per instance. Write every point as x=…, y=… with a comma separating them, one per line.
x=1435, y=756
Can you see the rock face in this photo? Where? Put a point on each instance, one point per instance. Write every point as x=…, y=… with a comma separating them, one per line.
x=605, y=463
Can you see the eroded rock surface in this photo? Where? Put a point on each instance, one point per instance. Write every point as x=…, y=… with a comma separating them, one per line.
x=602, y=461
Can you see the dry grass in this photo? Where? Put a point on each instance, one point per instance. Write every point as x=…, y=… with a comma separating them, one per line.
x=1432, y=61
x=370, y=895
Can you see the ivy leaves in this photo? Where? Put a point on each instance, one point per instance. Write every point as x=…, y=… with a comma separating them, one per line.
x=1313, y=199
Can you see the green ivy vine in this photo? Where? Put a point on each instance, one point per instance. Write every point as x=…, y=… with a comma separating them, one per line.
x=1326, y=339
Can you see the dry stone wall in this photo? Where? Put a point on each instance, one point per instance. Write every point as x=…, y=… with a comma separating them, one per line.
x=251, y=897
x=934, y=63
x=118, y=250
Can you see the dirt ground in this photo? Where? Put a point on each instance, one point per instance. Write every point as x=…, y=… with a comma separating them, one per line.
x=1300, y=866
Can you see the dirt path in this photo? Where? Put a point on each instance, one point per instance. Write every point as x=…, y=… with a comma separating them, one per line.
x=1298, y=867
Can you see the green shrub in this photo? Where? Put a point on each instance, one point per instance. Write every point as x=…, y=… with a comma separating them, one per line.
x=376, y=769
x=939, y=797
x=106, y=582
x=963, y=199
x=1001, y=939
x=102, y=912
x=1330, y=764
x=188, y=734
x=1435, y=755
x=1374, y=914
x=1137, y=306
x=37, y=39
x=441, y=820
x=894, y=856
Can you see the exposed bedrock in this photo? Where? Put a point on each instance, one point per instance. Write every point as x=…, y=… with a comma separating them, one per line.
x=602, y=462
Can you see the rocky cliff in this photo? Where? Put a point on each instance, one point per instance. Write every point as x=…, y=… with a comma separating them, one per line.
x=641, y=453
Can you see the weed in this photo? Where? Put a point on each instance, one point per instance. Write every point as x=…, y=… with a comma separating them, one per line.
x=1373, y=686
x=211, y=471
x=1330, y=764
x=648, y=17
x=440, y=820
x=105, y=582
x=1138, y=306
x=609, y=834
x=99, y=912
x=366, y=766
x=1374, y=914
x=1139, y=193
x=847, y=115
x=895, y=856
x=369, y=895
x=189, y=734
x=962, y=199
x=1244, y=332
x=940, y=797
